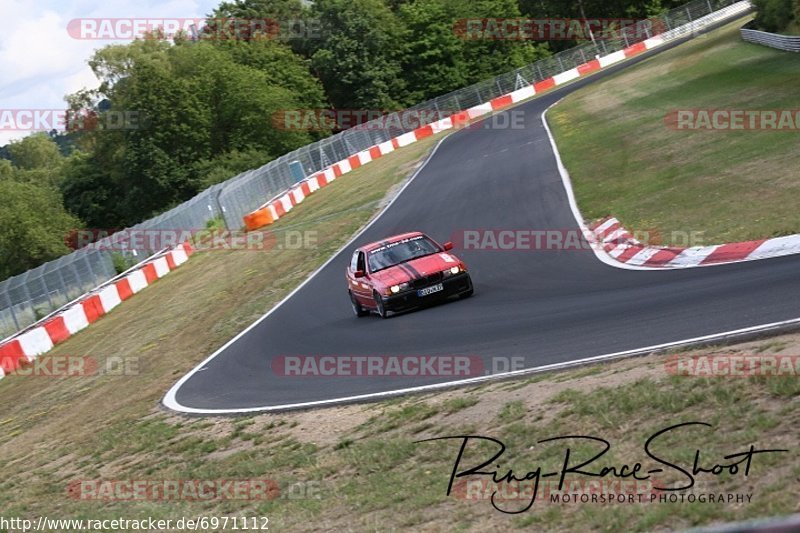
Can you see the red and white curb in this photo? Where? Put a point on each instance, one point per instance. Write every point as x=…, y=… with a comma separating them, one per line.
x=622, y=247
x=170, y=399
x=284, y=203
x=26, y=346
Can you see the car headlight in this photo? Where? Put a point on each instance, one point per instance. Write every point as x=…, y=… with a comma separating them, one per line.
x=398, y=288
x=451, y=271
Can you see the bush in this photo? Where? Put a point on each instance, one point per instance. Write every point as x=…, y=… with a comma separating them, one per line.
x=122, y=262
x=775, y=15
x=33, y=226
x=216, y=223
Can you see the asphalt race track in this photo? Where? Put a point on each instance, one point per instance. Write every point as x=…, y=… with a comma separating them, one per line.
x=545, y=306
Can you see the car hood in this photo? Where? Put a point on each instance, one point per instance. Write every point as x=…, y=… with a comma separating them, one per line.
x=416, y=268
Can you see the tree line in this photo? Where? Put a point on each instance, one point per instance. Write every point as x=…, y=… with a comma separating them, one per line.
x=192, y=112
x=776, y=15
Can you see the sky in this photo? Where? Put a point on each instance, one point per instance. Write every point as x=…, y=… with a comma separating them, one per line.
x=41, y=62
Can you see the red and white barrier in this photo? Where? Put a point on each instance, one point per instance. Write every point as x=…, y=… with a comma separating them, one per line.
x=26, y=346
x=615, y=240
x=74, y=319
x=35, y=342
x=620, y=245
x=611, y=59
x=566, y=77
x=278, y=208
x=137, y=281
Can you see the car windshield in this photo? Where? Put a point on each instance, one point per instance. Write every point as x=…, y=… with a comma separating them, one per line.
x=400, y=252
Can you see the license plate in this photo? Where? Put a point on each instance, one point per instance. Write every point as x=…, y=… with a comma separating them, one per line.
x=430, y=290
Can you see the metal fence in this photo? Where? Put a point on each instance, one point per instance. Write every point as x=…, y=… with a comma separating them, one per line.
x=788, y=43
x=247, y=192
x=27, y=298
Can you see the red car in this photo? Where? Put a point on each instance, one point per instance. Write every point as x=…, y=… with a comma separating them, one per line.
x=403, y=272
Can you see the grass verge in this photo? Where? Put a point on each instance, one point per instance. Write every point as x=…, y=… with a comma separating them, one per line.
x=359, y=468
x=105, y=424
x=728, y=185
x=355, y=467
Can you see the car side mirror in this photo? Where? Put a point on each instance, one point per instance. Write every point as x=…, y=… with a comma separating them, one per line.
x=448, y=246
x=359, y=274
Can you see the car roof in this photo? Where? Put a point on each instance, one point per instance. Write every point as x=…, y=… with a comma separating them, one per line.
x=383, y=242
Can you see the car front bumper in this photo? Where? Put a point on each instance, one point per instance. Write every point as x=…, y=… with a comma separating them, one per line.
x=453, y=286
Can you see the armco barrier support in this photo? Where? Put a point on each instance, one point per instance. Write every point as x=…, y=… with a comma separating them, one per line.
x=787, y=43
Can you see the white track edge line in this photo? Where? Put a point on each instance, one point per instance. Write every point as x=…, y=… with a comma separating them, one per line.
x=170, y=400
x=501, y=376
x=599, y=251
x=573, y=204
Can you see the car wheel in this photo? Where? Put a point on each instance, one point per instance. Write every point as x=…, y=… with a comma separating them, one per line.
x=380, y=306
x=357, y=308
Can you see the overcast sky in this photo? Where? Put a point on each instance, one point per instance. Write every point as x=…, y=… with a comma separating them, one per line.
x=40, y=61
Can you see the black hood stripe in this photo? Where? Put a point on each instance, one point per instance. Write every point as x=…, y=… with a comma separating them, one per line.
x=414, y=272
x=408, y=272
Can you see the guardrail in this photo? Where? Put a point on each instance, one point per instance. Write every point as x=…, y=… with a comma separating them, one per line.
x=27, y=298
x=787, y=43
x=282, y=203
x=249, y=191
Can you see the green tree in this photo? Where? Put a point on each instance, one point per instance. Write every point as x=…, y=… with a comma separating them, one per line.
x=219, y=169
x=33, y=226
x=280, y=67
x=6, y=169
x=89, y=190
x=433, y=61
x=358, y=59
x=289, y=21
x=282, y=57
x=35, y=151
x=594, y=9
x=279, y=10
x=196, y=101
x=490, y=57
x=36, y=159
x=597, y=8
x=775, y=15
